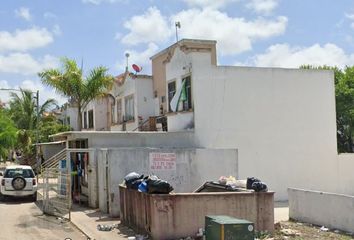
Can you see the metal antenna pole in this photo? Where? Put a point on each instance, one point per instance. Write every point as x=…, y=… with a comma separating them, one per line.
x=127, y=57
x=177, y=25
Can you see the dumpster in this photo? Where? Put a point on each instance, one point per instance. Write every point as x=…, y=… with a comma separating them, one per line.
x=178, y=215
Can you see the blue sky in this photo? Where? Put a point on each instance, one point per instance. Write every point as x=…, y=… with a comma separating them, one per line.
x=267, y=33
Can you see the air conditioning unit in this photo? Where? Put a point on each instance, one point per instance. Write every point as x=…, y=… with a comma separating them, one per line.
x=226, y=227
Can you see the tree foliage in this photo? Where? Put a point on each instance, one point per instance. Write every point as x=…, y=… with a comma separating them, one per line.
x=344, y=89
x=8, y=134
x=70, y=82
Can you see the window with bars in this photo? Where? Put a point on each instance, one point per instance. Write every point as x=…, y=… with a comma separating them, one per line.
x=129, y=108
x=119, y=111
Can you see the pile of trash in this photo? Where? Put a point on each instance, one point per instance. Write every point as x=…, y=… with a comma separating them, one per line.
x=231, y=184
x=251, y=183
x=148, y=184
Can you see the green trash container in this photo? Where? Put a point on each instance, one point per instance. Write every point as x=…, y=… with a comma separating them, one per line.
x=227, y=228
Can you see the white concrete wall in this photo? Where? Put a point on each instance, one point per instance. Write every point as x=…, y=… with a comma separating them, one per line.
x=180, y=121
x=137, y=139
x=282, y=120
x=193, y=168
x=145, y=98
x=101, y=114
x=331, y=210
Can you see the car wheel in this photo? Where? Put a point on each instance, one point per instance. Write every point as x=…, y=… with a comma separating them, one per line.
x=1, y=197
x=34, y=197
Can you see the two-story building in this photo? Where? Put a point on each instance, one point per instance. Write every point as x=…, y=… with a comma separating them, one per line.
x=127, y=107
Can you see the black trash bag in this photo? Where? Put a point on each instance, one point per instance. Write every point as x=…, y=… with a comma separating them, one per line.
x=158, y=186
x=135, y=184
x=250, y=181
x=259, y=187
x=131, y=178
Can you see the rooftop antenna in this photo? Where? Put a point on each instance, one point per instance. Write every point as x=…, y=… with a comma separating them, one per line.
x=127, y=56
x=177, y=25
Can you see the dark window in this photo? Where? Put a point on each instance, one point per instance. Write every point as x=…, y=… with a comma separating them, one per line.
x=90, y=119
x=85, y=119
x=187, y=104
x=26, y=173
x=129, y=108
x=119, y=111
x=171, y=93
x=113, y=110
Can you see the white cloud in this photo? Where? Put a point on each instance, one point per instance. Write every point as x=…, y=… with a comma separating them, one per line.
x=209, y=3
x=23, y=13
x=234, y=35
x=283, y=55
x=49, y=15
x=44, y=92
x=149, y=27
x=262, y=6
x=140, y=58
x=57, y=30
x=23, y=40
x=25, y=64
x=351, y=18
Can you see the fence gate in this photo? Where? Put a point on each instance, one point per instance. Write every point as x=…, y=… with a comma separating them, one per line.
x=55, y=192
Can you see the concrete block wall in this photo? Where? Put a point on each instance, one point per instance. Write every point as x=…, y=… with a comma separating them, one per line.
x=193, y=168
x=334, y=211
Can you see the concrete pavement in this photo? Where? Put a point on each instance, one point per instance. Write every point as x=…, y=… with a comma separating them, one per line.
x=87, y=220
x=22, y=219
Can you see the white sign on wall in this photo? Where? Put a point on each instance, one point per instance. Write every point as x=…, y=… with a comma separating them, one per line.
x=162, y=161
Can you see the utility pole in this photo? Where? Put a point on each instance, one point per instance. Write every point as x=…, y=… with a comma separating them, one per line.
x=37, y=133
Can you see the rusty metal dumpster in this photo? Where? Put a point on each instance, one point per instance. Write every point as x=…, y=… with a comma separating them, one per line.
x=172, y=216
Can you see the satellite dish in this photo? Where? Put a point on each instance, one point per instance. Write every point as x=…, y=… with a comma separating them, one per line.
x=137, y=68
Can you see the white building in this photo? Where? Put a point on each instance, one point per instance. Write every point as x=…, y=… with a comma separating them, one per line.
x=126, y=107
x=68, y=116
x=133, y=102
x=282, y=121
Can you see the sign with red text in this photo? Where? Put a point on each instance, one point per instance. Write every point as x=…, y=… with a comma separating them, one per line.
x=162, y=161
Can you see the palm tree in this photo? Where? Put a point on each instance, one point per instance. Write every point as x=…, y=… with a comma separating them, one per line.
x=23, y=112
x=70, y=82
x=8, y=135
x=23, y=109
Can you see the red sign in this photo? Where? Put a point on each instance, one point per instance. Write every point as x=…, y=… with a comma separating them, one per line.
x=162, y=161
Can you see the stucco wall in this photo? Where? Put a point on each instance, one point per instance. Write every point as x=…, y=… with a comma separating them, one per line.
x=331, y=210
x=193, y=168
x=282, y=120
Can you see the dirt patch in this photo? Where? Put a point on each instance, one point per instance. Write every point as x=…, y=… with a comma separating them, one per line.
x=302, y=231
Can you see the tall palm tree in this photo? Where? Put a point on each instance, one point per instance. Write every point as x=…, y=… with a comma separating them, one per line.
x=70, y=82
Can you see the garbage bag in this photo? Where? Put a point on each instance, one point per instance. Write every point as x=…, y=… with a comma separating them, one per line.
x=250, y=181
x=259, y=187
x=132, y=178
x=155, y=185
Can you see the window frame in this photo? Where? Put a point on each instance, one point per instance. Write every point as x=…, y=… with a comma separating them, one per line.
x=170, y=97
x=90, y=126
x=129, y=117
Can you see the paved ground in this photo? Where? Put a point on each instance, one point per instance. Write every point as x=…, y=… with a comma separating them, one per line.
x=22, y=219
x=87, y=220
x=281, y=211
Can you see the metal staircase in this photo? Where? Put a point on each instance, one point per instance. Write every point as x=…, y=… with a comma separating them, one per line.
x=53, y=162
